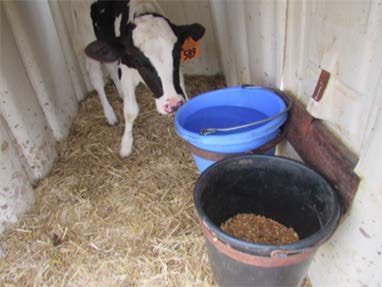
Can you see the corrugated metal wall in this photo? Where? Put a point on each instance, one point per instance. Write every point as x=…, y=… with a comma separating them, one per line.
x=250, y=38
x=187, y=12
x=38, y=99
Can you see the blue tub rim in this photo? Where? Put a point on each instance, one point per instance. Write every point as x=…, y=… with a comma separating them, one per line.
x=238, y=136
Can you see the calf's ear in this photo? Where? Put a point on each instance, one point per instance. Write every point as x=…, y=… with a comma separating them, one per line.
x=127, y=39
x=103, y=51
x=196, y=31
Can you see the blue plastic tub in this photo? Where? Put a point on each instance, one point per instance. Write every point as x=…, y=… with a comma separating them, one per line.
x=226, y=108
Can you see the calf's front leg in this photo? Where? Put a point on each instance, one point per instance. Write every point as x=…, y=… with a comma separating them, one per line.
x=96, y=78
x=115, y=72
x=129, y=81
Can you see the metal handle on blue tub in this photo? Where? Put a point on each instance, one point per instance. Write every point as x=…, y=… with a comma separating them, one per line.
x=286, y=98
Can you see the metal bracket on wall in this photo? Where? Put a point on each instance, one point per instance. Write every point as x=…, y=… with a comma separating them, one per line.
x=321, y=149
x=321, y=85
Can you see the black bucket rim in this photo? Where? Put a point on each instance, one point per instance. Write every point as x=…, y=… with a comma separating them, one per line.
x=311, y=242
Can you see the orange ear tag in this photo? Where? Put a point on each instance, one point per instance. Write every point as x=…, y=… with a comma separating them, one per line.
x=190, y=49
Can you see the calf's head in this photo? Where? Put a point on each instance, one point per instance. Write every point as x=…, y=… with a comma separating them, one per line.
x=151, y=45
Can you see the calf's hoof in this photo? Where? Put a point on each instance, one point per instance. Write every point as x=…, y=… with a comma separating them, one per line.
x=124, y=153
x=110, y=116
x=111, y=119
x=126, y=147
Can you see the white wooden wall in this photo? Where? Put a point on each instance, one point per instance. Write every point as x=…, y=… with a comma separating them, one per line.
x=285, y=44
x=345, y=38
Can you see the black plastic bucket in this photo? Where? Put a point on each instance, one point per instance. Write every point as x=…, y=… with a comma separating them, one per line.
x=278, y=188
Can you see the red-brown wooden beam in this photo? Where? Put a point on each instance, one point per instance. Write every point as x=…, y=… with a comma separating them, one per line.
x=320, y=149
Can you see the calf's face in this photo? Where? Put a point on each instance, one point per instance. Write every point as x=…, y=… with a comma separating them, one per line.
x=152, y=45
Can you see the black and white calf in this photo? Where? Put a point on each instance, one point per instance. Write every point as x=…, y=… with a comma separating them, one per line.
x=136, y=45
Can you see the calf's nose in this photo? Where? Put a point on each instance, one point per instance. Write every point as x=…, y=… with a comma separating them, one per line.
x=172, y=106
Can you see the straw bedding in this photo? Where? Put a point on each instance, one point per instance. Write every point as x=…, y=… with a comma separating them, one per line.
x=99, y=220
